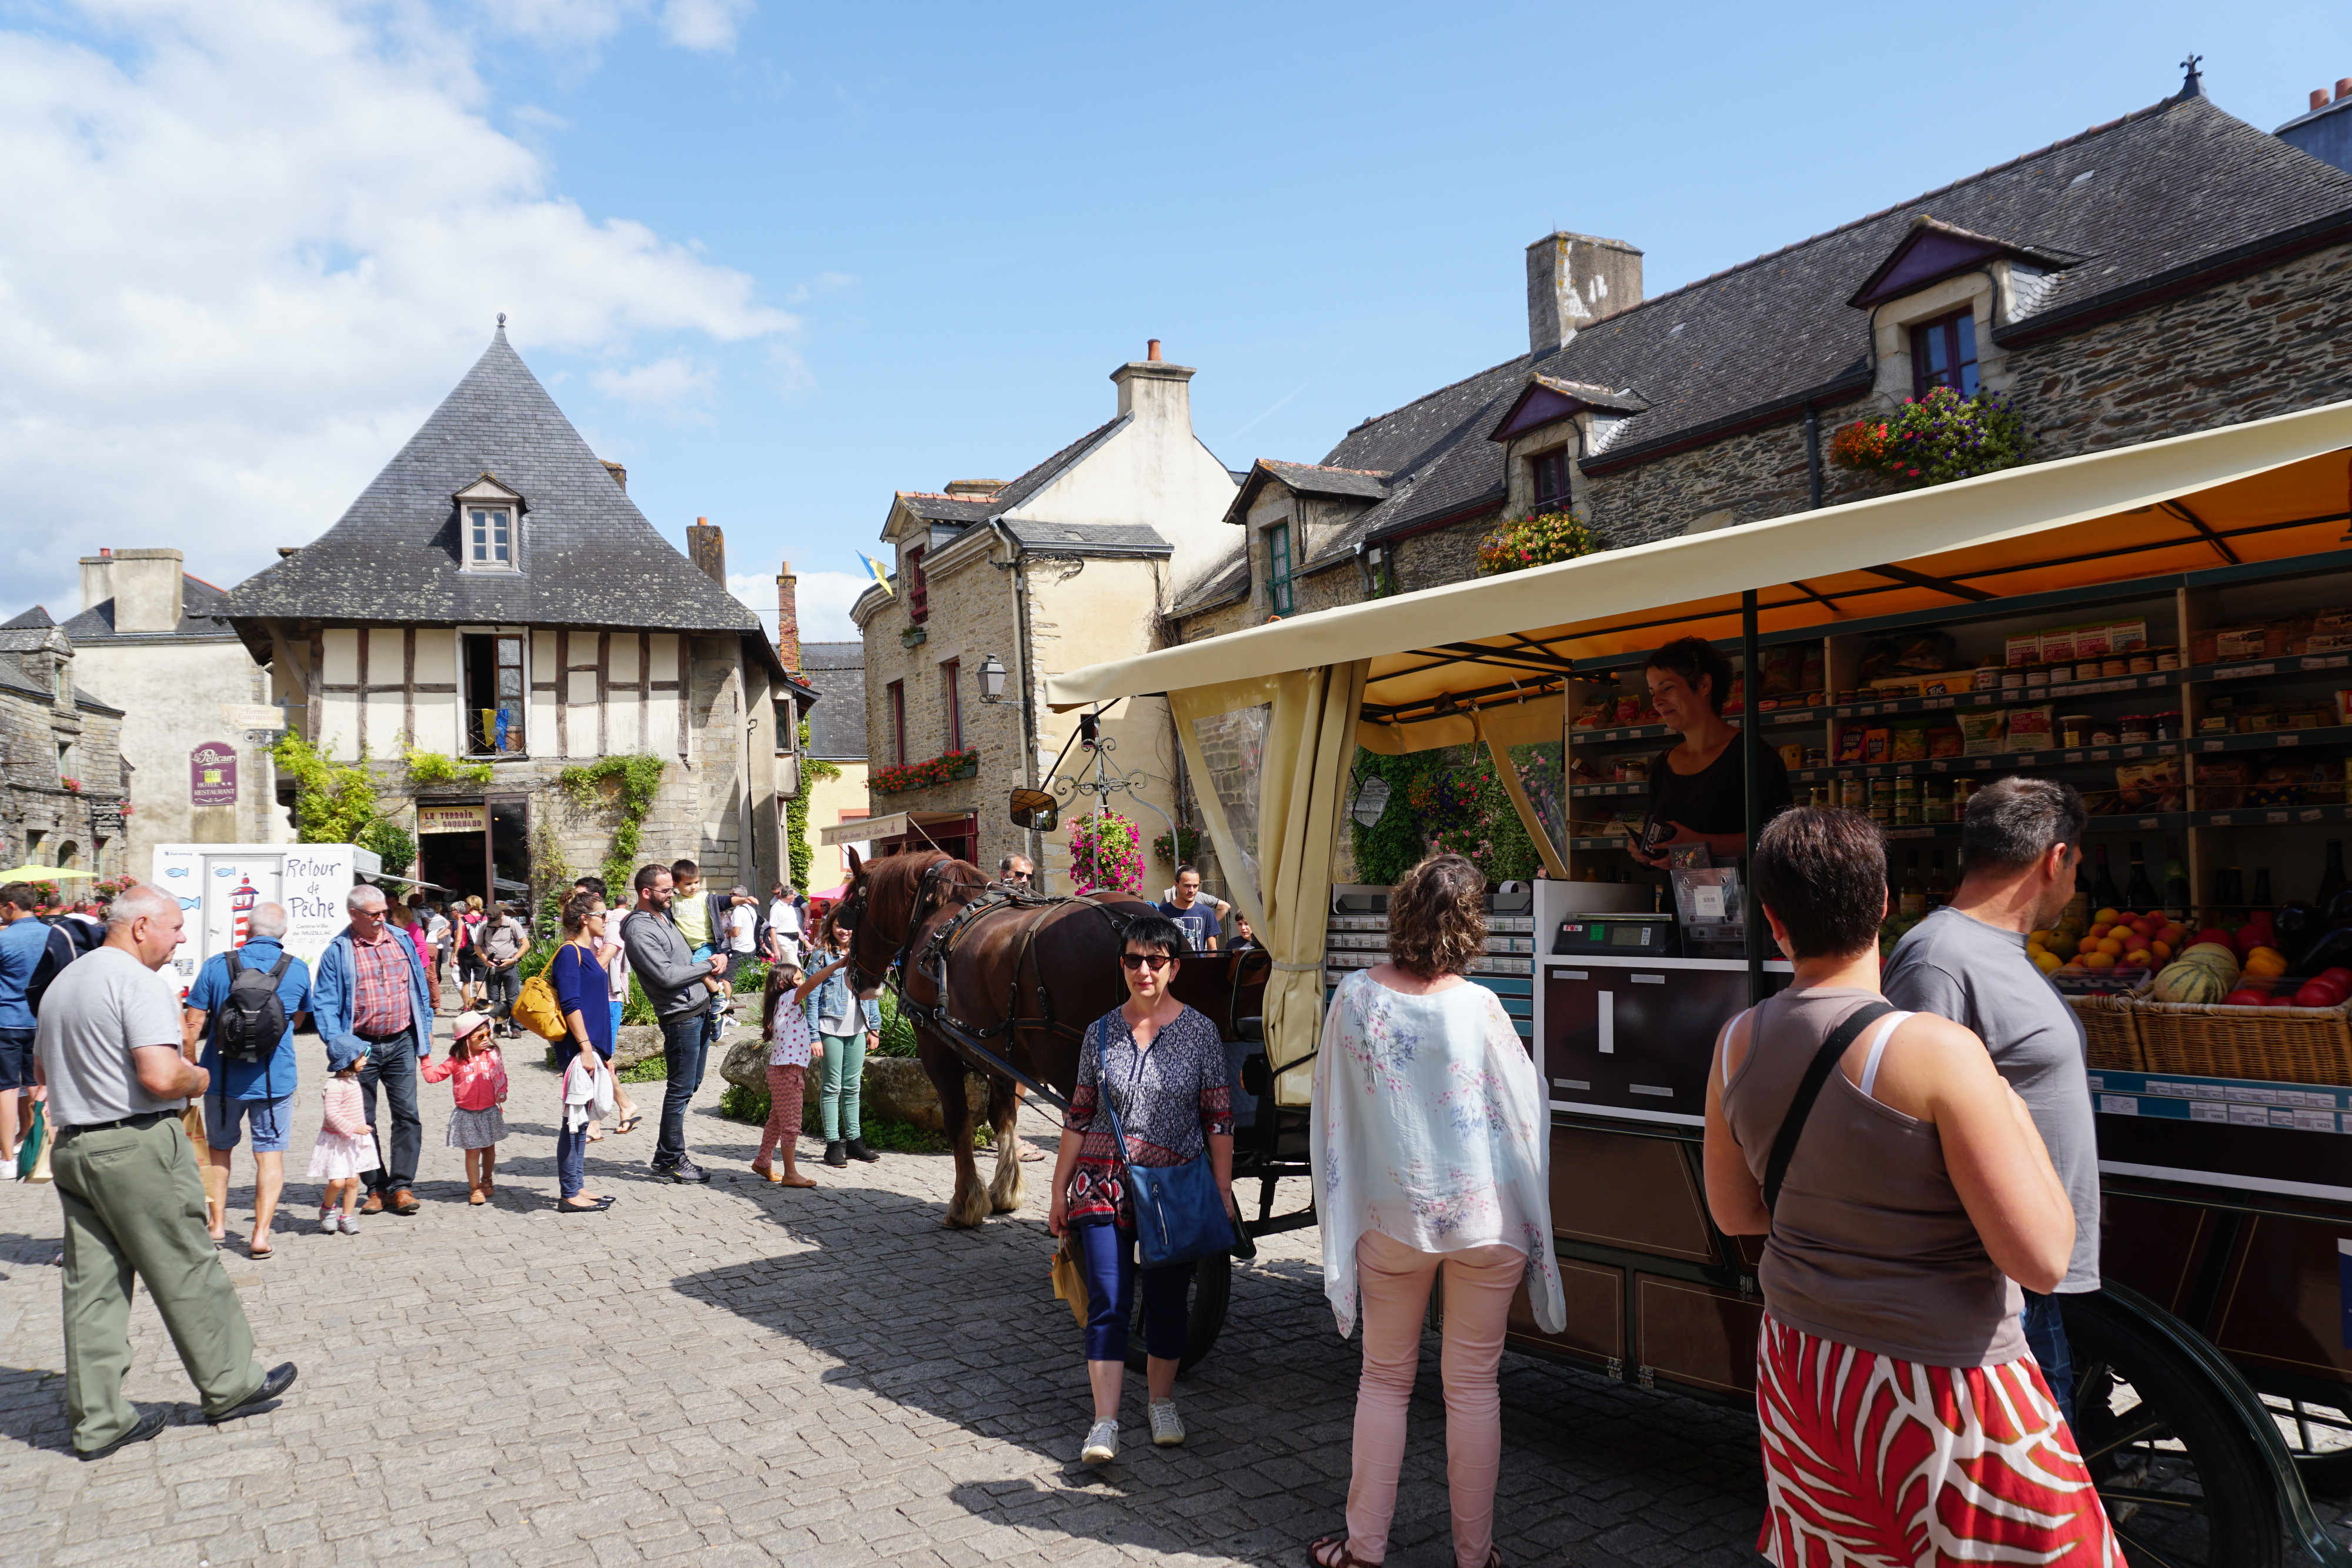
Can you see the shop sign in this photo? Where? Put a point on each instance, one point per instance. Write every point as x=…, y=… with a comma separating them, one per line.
x=211, y=774
x=474, y=818
x=106, y=821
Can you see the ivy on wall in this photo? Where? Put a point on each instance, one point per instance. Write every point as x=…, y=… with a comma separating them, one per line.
x=439, y=767
x=801, y=852
x=639, y=777
x=336, y=803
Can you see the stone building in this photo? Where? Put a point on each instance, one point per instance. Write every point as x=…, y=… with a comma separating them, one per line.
x=1003, y=583
x=2080, y=281
x=837, y=735
x=63, y=786
x=495, y=602
x=2170, y=271
x=196, y=730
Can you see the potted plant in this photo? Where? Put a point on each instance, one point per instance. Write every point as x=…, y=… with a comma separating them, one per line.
x=1934, y=439
x=1538, y=540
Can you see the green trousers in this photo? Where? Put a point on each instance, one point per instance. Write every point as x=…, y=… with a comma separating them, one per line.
x=134, y=1204
x=839, y=1092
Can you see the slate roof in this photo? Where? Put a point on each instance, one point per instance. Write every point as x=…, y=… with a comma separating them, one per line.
x=837, y=722
x=947, y=509
x=13, y=678
x=962, y=511
x=588, y=557
x=35, y=616
x=2159, y=194
x=1228, y=583
x=200, y=616
x=1094, y=538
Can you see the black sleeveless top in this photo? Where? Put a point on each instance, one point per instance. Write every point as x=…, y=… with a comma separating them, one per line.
x=1714, y=799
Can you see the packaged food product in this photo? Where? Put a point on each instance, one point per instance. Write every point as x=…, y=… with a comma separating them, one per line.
x=2278, y=782
x=2025, y=648
x=1598, y=712
x=2030, y=728
x=2148, y=786
x=2124, y=636
x=1911, y=742
x=2139, y=729
x=2343, y=708
x=2058, y=644
x=2232, y=643
x=1982, y=731
x=1852, y=794
x=2221, y=783
x=2091, y=643
x=1811, y=675
x=2073, y=727
x=1781, y=665
x=1817, y=756
x=1792, y=757
x=1629, y=707
x=1944, y=740
x=1988, y=677
x=1851, y=742
x=1951, y=683
x=1878, y=743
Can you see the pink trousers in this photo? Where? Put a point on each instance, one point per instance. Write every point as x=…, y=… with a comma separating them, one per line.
x=783, y=1128
x=1395, y=1281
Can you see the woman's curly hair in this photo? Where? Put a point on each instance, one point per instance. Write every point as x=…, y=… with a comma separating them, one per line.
x=1437, y=917
x=578, y=907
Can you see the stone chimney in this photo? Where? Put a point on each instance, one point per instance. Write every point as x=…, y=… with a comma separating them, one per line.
x=788, y=619
x=1151, y=389
x=974, y=489
x=1575, y=280
x=145, y=584
x=706, y=546
x=620, y=474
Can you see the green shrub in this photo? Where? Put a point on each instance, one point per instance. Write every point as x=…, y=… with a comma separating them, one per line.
x=898, y=1031
x=737, y=1103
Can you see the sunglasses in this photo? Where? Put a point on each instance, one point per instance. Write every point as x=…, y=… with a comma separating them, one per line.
x=1155, y=962
x=1016, y=876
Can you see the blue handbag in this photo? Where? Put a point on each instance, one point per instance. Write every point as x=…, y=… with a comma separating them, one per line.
x=1180, y=1214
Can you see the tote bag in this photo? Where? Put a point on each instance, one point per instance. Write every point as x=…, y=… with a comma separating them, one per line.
x=1180, y=1214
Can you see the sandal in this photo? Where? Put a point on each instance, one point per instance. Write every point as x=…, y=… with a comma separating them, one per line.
x=1331, y=1552
x=795, y=1181
x=627, y=1123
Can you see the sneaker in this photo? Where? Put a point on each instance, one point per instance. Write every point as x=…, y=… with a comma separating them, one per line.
x=329, y=1221
x=1102, y=1444
x=350, y=1226
x=684, y=1171
x=1167, y=1427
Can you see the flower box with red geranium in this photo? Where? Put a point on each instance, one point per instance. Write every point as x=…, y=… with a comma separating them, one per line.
x=945, y=768
x=1934, y=439
x=1539, y=540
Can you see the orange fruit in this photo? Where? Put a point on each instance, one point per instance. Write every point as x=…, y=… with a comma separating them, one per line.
x=2162, y=951
x=2111, y=946
x=2106, y=917
x=2139, y=957
x=2097, y=961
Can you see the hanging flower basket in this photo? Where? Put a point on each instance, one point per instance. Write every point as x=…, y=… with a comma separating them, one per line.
x=942, y=769
x=1934, y=439
x=1538, y=540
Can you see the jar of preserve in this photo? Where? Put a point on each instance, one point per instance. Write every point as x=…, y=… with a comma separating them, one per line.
x=1852, y=794
x=2139, y=729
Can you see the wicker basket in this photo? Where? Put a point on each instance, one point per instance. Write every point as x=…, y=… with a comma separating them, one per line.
x=2110, y=1038
x=2280, y=1045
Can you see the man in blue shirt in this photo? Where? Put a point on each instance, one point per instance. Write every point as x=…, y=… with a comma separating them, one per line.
x=20, y=948
x=1200, y=917
x=259, y=1093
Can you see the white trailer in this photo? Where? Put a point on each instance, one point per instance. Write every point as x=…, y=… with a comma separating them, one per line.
x=218, y=885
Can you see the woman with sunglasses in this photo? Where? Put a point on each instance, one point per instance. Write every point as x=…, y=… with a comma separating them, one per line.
x=1162, y=1067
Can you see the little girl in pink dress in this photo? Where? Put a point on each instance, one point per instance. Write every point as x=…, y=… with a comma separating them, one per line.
x=345, y=1146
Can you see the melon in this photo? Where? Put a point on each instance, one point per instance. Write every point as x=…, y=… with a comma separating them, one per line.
x=2212, y=950
x=2187, y=982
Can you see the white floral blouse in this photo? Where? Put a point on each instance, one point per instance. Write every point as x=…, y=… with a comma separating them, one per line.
x=1428, y=1128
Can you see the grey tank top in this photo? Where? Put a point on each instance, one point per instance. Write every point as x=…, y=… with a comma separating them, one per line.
x=1870, y=1244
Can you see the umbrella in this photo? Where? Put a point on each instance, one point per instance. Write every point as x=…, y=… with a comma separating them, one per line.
x=41, y=873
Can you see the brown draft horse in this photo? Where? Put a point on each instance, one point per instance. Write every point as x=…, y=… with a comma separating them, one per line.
x=1025, y=973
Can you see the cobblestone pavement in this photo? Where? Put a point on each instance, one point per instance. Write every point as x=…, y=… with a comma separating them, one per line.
x=746, y=1374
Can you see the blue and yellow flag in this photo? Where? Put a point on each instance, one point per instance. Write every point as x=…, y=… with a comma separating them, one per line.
x=880, y=575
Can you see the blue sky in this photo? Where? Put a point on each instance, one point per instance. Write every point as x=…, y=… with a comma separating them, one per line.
x=782, y=261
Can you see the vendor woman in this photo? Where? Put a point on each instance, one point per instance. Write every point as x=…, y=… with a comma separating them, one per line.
x=1697, y=794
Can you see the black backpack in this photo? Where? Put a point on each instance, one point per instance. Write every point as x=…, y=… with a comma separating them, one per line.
x=252, y=1021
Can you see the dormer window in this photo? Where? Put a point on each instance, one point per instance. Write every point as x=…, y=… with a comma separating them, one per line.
x=490, y=537
x=1549, y=472
x=919, y=598
x=1944, y=354
x=1279, y=598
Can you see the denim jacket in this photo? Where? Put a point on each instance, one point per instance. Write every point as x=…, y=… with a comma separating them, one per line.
x=828, y=1007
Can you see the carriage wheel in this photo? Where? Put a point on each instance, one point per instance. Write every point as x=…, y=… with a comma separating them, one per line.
x=2320, y=1439
x=1205, y=1298
x=2180, y=1475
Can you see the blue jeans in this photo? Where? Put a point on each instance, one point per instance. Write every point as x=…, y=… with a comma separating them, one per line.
x=686, y=1048
x=616, y=1027
x=570, y=1156
x=1109, y=1253
x=392, y=1064
x=2045, y=1336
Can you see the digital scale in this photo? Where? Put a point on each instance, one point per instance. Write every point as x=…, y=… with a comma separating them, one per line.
x=1625, y=936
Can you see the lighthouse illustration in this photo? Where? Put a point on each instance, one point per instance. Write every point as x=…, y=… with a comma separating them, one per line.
x=240, y=904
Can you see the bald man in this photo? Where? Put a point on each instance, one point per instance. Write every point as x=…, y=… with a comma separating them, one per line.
x=109, y=1051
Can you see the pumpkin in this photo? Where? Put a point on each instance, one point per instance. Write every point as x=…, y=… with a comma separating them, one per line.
x=2186, y=982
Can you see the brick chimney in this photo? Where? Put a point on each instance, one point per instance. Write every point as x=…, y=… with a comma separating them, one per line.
x=788, y=618
x=706, y=546
x=146, y=586
x=1575, y=280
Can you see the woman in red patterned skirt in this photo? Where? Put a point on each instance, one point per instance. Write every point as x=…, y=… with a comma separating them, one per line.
x=1904, y=1419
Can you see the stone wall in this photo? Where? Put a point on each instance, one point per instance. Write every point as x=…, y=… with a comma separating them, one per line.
x=40, y=820
x=172, y=691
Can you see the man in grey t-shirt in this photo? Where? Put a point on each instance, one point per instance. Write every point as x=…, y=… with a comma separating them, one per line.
x=1967, y=962
x=109, y=1051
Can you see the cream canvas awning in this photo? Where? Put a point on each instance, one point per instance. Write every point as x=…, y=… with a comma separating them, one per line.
x=2268, y=490
x=897, y=824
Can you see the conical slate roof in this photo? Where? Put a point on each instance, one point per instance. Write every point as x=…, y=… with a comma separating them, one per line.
x=587, y=556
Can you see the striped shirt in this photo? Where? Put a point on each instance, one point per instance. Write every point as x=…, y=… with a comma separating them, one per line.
x=381, y=983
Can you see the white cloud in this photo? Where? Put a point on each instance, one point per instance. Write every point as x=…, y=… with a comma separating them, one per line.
x=253, y=245
x=823, y=598
x=583, y=24
x=674, y=383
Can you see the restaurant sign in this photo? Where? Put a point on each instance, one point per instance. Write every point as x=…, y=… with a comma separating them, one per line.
x=471, y=819
x=211, y=774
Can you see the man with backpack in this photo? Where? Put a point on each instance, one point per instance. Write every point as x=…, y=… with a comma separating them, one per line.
x=244, y=1007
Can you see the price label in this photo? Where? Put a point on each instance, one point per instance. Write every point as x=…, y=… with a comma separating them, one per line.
x=2333, y=661
x=2289, y=737
x=2213, y=745
x=2275, y=816
x=2316, y=814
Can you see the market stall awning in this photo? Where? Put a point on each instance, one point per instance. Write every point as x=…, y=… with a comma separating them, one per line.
x=897, y=824
x=2268, y=490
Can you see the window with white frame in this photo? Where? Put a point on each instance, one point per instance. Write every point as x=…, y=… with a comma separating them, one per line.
x=490, y=539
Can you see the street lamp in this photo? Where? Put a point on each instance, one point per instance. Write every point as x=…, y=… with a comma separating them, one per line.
x=991, y=679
